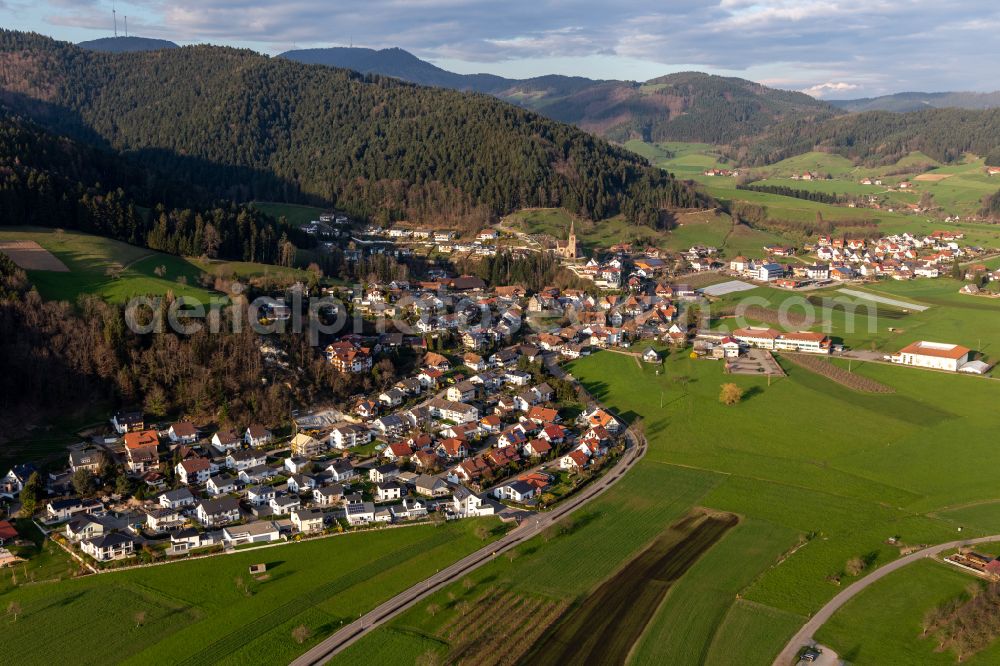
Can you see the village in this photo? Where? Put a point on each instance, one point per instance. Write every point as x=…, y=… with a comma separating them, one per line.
x=485, y=424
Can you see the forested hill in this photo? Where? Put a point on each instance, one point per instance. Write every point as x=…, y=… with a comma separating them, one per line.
x=251, y=127
x=881, y=137
x=687, y=106
x=49, y=180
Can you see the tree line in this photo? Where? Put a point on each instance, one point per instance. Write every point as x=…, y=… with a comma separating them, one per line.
x=785, y=191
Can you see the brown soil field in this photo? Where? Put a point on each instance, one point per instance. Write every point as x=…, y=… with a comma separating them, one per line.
x=932, y=177
x=603, y=628
x=31, y=256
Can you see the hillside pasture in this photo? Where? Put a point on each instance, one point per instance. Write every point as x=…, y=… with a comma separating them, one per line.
x=106, y=268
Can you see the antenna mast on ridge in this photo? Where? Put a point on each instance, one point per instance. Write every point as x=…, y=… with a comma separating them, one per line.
x=114, y=16
x=126, y=25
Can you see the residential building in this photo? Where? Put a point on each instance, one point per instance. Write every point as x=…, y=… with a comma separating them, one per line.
x=305, y=446
x=218, y=512
x=108, y=547
x=307, y=521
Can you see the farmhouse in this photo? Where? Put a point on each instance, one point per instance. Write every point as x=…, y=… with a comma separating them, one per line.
x=935, y=355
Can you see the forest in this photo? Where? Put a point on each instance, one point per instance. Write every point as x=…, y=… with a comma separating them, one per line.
x=879, y=137
x=52, y=181
x=246, y=126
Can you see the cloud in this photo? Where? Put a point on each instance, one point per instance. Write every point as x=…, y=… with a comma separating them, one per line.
x=823, y=89
x=878, y=45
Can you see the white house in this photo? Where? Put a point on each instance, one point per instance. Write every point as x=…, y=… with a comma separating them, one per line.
x=388, y=491
x=193, y=470
x=347, y=435
x=217, y=512
x=466, y=504
x=515, y=491
x=176, y=499
x=257, y=436
x=220, y=484
x=108, y=547
x=260, y=495
x=226, y=440
x=261, y=531
x=183, y=432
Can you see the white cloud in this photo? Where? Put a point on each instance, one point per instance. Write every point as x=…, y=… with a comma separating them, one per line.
x=830, y=87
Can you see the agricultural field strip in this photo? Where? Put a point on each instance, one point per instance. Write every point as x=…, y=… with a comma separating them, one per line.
x=610, y=621
x=884, y=300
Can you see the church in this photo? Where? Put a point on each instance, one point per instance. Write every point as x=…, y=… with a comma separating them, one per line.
x=567, y=249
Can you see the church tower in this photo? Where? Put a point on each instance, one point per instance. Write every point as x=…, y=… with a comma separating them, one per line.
x=571, y=242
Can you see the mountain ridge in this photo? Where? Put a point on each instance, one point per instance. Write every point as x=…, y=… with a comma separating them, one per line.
x=680, y=106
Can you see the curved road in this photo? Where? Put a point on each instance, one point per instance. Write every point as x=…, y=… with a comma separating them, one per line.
x=805, y=634
x=350, y=633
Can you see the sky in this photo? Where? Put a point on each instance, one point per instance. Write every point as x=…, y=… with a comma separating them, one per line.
x=827, y=48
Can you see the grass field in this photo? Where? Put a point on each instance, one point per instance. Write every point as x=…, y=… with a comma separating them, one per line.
x=882, y=625
x=89, y=258
x=295, y=215
x=196, y=614
x=848, y=489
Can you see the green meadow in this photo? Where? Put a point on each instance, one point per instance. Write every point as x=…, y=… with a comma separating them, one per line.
x=711, y=228
x=295, y=214
x=212, y=611
x=883, y=624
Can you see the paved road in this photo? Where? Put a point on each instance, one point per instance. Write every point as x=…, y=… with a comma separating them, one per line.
x=528, y=529
x=805, y=634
